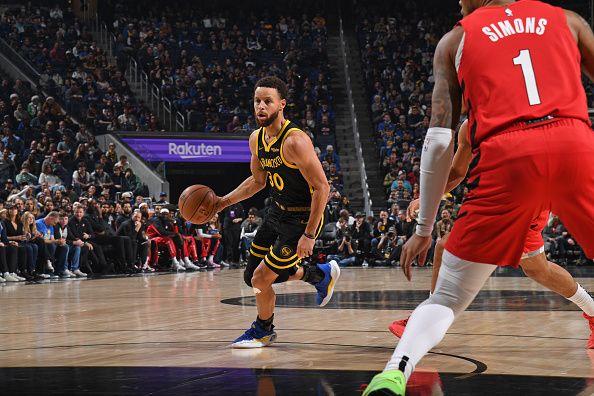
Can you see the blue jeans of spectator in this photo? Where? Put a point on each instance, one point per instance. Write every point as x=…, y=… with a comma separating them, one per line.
x=32, y=252
x=246, y=244
x=59, y=255
x=73, y=257
x=218, y=257
x=342, y=260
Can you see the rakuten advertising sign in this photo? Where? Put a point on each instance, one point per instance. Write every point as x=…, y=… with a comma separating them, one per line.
x=190, y=150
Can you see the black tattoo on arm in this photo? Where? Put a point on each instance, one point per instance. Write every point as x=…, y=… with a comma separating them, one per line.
x=447, y=96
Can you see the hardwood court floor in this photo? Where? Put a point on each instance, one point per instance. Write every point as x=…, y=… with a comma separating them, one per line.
x=168, y=334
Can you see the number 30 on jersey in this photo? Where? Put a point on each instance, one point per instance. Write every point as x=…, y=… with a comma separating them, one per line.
x=276, y=181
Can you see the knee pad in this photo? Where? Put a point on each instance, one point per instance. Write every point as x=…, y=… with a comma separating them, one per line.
x=247, y=277
x=282, y=277
x=448, y=295
x=459, y=282
x=253, y=263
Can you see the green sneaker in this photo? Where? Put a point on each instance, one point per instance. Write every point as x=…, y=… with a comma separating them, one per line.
x=388, y=383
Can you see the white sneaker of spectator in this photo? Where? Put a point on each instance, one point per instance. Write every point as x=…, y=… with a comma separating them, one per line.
x=211, y=264
x=20, y=278
x=70, y=273
x=148, y=268
x=44, y=276
x=79, y=273
x=2, y=280
x=66, y=274
x=176, y=266
x=189, y=265
x=49, y=266
x=9, y=277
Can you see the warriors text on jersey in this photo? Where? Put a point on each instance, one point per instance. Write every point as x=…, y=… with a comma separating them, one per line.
x=529, y=45
x=288, y=187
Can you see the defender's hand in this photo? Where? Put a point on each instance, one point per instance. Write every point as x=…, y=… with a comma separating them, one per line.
x=416, y=246
x=305, y=246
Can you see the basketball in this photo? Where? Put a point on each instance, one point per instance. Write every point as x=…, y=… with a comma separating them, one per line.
x=197, y=203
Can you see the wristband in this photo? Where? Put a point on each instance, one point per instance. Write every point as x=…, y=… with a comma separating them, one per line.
x=309, y=236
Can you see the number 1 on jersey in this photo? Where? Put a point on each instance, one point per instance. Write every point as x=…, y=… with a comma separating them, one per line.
x=525, y=61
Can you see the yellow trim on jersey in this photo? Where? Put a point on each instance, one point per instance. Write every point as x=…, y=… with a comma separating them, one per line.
x=274, y=256
x=281, y=149
x=268, y=146
x=260, y=247
x=257, y=254
x=260, y=132
x=281, y=266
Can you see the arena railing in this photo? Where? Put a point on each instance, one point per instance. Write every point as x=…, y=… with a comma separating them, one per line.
x=19, y=67
x=180, y=121
x=156, y=99
x=151, y=93
x=356, y=137
x=25, y=67
x=167, y=106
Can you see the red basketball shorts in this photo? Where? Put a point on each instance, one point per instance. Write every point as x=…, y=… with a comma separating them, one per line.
x=519, y=175
x=534, y=243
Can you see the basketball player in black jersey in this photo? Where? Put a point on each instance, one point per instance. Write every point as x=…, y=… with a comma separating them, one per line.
x=284, y=158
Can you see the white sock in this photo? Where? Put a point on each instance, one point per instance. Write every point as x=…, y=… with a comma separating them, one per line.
x=582, y=299
x=425, y=329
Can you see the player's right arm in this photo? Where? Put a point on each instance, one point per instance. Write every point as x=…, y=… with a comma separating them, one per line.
x=250, y=186
x=582, y=32
x=460, y=165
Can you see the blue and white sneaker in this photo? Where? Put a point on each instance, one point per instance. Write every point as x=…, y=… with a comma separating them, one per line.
x=326, y=287
x=255, y=337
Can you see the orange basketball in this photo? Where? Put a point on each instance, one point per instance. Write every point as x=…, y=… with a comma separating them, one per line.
x=197, y=204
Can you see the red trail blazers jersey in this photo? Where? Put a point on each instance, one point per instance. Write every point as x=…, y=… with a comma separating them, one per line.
x=518, y=63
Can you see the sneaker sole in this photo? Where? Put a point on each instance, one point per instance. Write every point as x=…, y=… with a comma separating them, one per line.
x=382, y=385
x=254, y=344
x=335, y=274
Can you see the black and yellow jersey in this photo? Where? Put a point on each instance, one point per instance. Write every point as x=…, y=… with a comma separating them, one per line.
x=288, y=187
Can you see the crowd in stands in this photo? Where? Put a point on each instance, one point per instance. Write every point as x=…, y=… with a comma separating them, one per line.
x=74, y=70
x=207, y=62
x=69, y=209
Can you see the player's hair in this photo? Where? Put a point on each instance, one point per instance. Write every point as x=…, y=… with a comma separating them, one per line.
x=274, y=82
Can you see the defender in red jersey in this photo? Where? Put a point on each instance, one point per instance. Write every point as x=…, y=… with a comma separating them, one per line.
x=516, y=65
x=534, y=262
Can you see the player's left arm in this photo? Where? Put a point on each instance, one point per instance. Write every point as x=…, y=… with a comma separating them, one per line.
x=462, y=159
x=438, y=150
x=584, y=37
x=299, y=150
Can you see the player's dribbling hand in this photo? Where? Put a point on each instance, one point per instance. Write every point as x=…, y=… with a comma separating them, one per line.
x=413, y=206
x=305, y=247
x=219, y=204
x=415, y=246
